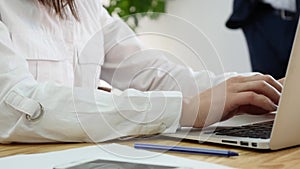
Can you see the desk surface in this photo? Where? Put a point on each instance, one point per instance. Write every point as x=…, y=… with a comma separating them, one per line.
x=288, y=158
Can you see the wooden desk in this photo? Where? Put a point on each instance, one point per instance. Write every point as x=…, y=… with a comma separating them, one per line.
x=288, y=158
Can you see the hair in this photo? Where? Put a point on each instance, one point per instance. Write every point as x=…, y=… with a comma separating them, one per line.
x=59, y=7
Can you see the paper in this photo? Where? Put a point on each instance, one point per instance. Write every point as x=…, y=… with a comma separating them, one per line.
x=106, y=152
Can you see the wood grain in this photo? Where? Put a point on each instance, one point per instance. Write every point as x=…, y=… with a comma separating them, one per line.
x=287, y=158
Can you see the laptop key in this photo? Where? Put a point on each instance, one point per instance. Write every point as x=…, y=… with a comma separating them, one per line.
x=259, y=130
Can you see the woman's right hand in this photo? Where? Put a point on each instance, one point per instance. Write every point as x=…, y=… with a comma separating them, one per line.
x=257, y=94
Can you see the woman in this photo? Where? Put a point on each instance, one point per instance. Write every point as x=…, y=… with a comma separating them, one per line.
x=53, y=53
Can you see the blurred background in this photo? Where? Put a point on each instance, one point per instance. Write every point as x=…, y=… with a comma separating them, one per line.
x=192, y=32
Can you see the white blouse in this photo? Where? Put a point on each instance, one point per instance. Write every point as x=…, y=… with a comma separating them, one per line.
x=50, y=69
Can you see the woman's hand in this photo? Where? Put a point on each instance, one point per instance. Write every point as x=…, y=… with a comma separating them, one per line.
x=258, y=94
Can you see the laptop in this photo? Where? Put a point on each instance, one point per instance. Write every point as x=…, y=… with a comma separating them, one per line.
x=274, y=131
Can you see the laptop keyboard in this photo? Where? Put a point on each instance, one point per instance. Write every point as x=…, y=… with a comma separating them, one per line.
x=257, y=130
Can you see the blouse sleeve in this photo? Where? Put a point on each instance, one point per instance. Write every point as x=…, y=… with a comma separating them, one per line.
x=128, y=64
x=48, y=112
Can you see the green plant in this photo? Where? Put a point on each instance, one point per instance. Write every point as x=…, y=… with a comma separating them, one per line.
x=132, y=10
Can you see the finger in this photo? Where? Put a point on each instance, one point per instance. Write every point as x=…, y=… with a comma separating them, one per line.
x=253, y=99
x=261, y=87
x=269, y=79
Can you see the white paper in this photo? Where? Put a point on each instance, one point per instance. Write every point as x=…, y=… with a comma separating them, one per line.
x=106, y=152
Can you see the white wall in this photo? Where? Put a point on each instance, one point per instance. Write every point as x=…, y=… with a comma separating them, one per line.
x=180, y=35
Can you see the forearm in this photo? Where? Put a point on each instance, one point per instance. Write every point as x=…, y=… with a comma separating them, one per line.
x=81, y=115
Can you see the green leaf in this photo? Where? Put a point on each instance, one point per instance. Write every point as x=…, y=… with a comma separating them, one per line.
x=136, y=9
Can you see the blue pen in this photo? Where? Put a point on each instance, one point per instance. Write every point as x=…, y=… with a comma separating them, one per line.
x=185, y=149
